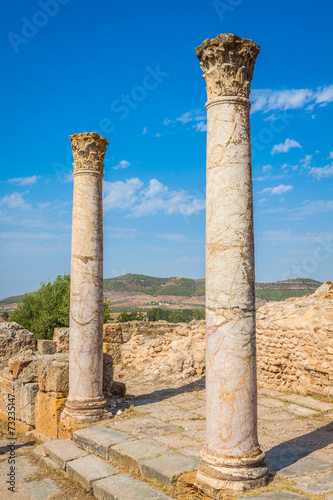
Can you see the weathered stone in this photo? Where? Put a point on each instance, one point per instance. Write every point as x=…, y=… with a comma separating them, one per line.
x=307, y=465
x=25, y=397
x=19, y=365
x=62, y=451
x=86, y=402
x=46, y=346
x=48, y=408
x=29, y=373
x=232, y=458
x=300, y=410
x=86, y=470
x=315, y=485
x=131, y=453
x=114, y=350
x=122, y=487
x=277, y=495
x=167, y=468
x=98, y=439
x=146, y=427
x=53, y=373
x=15, y=340
x=61, y=338
x=112, y=333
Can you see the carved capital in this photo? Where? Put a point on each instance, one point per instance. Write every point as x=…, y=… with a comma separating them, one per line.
x=88, y=151
x=228, y=63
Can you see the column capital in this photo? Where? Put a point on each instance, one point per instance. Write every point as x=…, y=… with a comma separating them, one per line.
x=228, y=63
x=88, y=151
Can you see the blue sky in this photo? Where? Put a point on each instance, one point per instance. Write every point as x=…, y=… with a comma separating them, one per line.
x=128, y=70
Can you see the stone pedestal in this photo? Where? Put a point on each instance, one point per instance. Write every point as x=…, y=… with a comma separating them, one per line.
x=85, y=401
x=231, y=460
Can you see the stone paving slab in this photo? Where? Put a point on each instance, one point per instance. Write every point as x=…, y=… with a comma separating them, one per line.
x=300, y=410
x=317, y=404
x=62, y=451
x=145, y=427
x=41, y=490
x=166, y=468
x=306, y=465
x=98, y=439
x=88, y=469
x=322, y=483
x=277, y=495
x=122, y=487
x=131, y=453
x=273, y=416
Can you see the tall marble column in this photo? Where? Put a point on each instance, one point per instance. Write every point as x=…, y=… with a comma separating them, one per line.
x=85, y=401
x=231, y=460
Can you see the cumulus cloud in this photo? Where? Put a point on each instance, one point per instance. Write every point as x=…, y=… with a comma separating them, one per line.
x=266, y=168
x=156, y=197
x=24, y=181
x=144, y=131
x=306, y=161
x=266, y=100
x=200, y=127
x=122, y=164
x=14, y=200
x=278, y=189
x=284, y=147
x=321, y=172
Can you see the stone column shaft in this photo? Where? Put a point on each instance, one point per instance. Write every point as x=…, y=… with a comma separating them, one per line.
x=85, y=401
x=231, y=460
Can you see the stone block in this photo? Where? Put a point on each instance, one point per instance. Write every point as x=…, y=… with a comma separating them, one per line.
x=123, y=487
x=315, y=485
x=112, y=333
x=49, y=406
x=61, y=338
x=115, y=390
x=25, y=398
x=166, y=468
x=306, y=465
x=15, y=340
x=53, y=373
x=62, y=451
x=107, y=371
x=86, y=470
x=98, y=439
x=46, y=346
x=300, y=410
x=18, y=366
x=29, y=373
x=131, y=453
x=114, y=350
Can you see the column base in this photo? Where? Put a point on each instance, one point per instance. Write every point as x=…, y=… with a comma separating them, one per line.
x=84, y=411
x=222, y=476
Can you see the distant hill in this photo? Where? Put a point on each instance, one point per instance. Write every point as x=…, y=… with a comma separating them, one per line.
x=185, y=287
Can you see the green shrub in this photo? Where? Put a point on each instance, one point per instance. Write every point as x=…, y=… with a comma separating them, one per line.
x=48, y=308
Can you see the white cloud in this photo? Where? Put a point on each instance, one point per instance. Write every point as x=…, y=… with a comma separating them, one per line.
x=330, y=155
x=200, y=127
x=157, y=135
x=266, y=100
x=285, y=166
x=24, y=181
x=140, y=201
x=314, y=207
x=195, y=115
x=173, y=237
x=167, y=121
x=144, y=131
x=14, y=200
x=323, y=172
x=122, y=164
x=284, y=147
x=185, y=117
x=278, y=189
x=120, y=195
x=266, y=168
x=306, y=161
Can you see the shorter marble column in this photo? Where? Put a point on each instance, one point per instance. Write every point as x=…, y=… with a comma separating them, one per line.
x=85, y=401
x=231, y=460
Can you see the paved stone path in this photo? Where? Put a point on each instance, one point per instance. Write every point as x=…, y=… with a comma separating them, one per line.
x=296, y=432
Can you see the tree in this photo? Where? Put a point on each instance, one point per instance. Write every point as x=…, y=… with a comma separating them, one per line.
x=48, y=308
